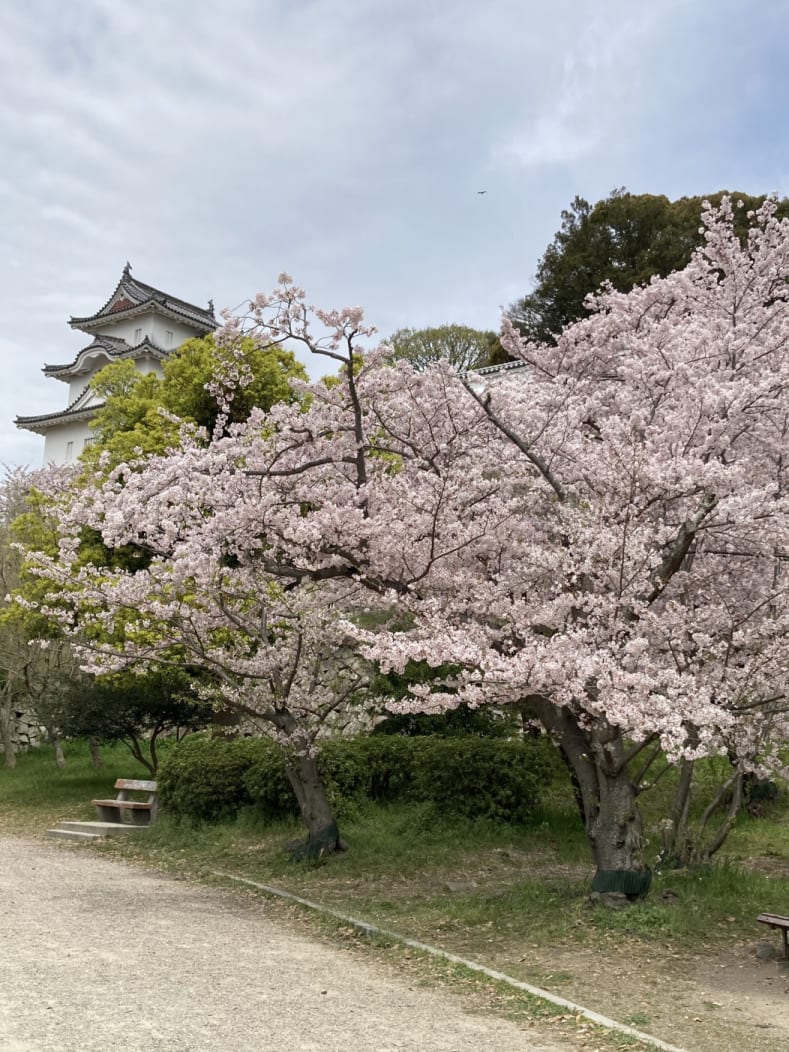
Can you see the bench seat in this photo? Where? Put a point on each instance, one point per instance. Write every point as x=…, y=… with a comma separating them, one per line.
x=138, y=812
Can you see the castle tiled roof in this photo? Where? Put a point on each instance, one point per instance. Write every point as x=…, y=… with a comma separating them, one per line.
x=80, y=409
x=503, y=367
x=114, y=347
x=133, y=297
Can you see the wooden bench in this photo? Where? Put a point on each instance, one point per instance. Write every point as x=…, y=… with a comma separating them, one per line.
x=777, y=922
x=140, y=812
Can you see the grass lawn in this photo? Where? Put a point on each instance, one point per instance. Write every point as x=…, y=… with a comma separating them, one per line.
x=511, y=897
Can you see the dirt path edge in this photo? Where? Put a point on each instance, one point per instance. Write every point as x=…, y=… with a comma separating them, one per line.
x=535, y=991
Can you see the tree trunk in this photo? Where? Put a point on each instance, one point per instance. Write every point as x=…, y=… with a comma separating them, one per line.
x=135, y=748
x=597, y=754
x=7, y=721
x=716, y=841
x=576, y=785
x=675, y=849
x=689, y=844
x=95, y=753
x=613, y=823
x=530, y=729
x=323, y=835
x=60, y=759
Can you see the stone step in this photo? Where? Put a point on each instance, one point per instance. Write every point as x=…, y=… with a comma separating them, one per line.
x=96, y=829
x=72, y=834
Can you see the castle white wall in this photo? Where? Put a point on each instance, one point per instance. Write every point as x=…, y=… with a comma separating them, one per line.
x=64, y=443
x=79, y=383
x=155, y=327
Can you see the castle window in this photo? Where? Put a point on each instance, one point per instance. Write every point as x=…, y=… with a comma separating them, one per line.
x=138, y=335
x=168, y=339
x=69, y=451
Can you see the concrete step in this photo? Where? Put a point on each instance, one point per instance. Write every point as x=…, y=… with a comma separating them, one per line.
x=95, y=829
x=72, y=834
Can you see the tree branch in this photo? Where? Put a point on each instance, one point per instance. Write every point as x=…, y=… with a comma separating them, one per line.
x=522, y=445
x=676, y=550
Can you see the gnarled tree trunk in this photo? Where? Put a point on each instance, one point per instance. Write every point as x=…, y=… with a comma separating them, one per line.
x=613, y=821
x=301, y=767
x=598, y=757
x=323, y=834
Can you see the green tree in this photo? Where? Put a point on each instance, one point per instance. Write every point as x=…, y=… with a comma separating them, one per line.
x=35, y=659
x=130, y=417
x=142, y=411
x=188, y=371
x=461, y=346
x=134, y=709
x=624, y=239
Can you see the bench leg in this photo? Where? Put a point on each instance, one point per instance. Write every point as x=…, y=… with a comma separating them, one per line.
x=140, y=818
x=785, y=933
x=110, y=814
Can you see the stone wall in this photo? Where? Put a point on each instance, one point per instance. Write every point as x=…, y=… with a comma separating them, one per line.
x=28, y=734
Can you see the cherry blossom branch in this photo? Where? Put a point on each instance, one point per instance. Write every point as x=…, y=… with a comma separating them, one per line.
x=522, y=445
x=679, y=547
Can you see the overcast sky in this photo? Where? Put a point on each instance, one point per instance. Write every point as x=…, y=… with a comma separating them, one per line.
x=214, y=145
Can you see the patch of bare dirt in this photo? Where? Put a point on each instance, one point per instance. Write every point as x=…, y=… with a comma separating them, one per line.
x=769, y=865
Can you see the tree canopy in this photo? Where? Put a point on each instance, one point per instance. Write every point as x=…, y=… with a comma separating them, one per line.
x=144, y=412
x=463, y=347
x=137, y=710
x=625, y=239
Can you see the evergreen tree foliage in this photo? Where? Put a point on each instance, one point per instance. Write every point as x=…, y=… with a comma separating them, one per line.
x=625, y=239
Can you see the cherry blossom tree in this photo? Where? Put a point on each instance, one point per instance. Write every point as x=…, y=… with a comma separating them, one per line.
x=195, y=589
x=277, y=654
x=600, y=535
x=641, y=603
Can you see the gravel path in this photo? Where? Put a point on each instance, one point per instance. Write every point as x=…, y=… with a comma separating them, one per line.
x=96, y=956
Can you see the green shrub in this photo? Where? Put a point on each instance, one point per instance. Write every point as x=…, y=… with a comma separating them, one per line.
x=482, y=777
x=389, y=761
x=267, y=785
x=209, y=778
x=203, y=777
x=376, y=768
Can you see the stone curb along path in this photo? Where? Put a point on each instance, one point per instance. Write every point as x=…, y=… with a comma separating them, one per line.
x=433, y=951
x=103, y=956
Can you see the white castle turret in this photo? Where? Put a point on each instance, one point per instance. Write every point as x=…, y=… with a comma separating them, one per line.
x=137, y=322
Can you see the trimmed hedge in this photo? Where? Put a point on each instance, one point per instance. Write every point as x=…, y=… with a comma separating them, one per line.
x=482, y=777
x=211, y=778
x=203, y=778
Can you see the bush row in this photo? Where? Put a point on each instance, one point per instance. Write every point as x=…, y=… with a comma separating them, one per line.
x=205, y=778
